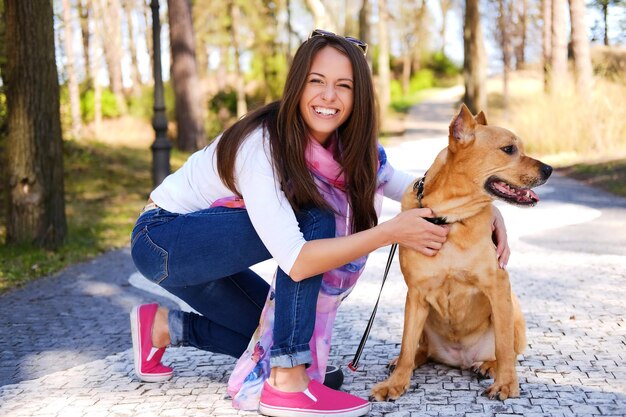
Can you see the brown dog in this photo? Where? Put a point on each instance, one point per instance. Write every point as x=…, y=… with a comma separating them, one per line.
x=460, y=309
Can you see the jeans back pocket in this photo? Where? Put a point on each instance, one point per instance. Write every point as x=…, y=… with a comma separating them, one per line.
x=149, y=258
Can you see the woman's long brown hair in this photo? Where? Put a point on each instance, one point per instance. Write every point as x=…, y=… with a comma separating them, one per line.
x=288, y=137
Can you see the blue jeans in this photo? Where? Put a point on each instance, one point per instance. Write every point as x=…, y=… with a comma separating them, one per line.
x=204, y=258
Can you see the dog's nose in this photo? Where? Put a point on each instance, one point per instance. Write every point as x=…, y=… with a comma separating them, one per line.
x=546, y=170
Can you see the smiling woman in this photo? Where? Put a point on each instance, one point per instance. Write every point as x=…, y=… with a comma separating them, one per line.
x=300, y=181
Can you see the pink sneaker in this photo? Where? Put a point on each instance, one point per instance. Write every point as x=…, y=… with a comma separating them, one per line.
x=317, y=400
x=148, y=366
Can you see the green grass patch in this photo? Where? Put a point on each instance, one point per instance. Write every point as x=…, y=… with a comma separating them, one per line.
x=610, y=176
x=105, y=187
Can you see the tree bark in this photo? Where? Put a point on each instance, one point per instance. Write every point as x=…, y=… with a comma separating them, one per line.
x=580, y=47
x=36, y=211
x=134, y=65
x=242, y=107
x=504, y=25
x=84, y=9
x=72, y=79
x=364, y=26
x=474, y=61
x=546, y=6
x=445, y=6
x=384, y=76
x=559, y=47
x=188, y=108
x=110, y=12
x=520, y=48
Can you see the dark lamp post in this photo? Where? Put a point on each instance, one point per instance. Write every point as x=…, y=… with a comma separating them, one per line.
x=161, y=146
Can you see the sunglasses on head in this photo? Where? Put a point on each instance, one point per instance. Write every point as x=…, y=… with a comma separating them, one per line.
x=354, y=41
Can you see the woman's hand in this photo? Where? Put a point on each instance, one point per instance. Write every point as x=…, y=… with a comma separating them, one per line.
x=499, y=238
x=411, y=230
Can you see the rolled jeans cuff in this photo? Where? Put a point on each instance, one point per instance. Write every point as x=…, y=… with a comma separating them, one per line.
x=175, y=322
x=302, y=355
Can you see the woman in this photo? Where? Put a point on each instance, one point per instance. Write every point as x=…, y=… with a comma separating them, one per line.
x=297, y=181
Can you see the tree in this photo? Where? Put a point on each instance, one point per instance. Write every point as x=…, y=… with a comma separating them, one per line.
x=474, y=60
x=322, y=18
x=546, y=42
x=134, y=65
x=34, y=148
x=72, y=79
x=188, y=109
x=445, y=6
x=384, y=76
x=603, y=5
x=84, y=11
x=235, y=15
x=111, y=29
x=580, y=48
x=558, y=63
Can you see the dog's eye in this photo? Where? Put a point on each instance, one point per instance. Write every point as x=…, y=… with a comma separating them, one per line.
x=509, y=150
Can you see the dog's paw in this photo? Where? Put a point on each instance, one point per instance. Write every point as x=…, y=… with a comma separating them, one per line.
x=388, y=391
x=485, y=370
x=502, y=391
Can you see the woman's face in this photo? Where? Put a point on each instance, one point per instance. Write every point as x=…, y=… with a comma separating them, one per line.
x=327, y=99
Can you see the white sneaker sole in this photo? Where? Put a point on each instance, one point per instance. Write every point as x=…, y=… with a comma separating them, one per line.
x=134, y=331
x=273, y=411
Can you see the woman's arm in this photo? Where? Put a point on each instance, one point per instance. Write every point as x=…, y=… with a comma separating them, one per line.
x=407, y=228
x=499, y=236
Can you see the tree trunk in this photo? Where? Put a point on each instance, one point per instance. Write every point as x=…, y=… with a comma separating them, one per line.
x=72, y=79
x=547, y=44
x=36, y=211
x=580, y=47
x=96, y=61
x=188, y=107
x=364, y=26
x=605, y=14
x=134, y=65
x=445, y=6
x=83, y=14
x=110, y=12
x=474, y=61
x=520, y=48
x=242, y=107
x=559, y=47
x=148, y=22
x=384, y=76
x=504, y=25
x=321, y=16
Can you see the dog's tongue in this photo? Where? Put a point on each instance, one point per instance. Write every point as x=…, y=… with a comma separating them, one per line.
x=527, y=195
x=521, y=195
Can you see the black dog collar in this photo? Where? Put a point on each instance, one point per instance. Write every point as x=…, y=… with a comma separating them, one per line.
x=418, y=187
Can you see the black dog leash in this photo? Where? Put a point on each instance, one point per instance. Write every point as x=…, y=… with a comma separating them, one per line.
x=418, y=187
x=355, y=362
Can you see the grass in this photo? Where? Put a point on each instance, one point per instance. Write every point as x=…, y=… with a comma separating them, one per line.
x=105, y=187
x=610, y=176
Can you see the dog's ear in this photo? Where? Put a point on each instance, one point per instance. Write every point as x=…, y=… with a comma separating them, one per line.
x=463, y=125
x=481, y=119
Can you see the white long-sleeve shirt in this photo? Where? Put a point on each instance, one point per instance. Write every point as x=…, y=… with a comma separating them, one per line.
x=197, y=185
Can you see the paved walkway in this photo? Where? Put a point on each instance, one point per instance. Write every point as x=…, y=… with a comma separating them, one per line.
x=65, y=341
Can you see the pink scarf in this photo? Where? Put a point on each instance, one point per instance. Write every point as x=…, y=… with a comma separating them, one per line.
x=253, y=367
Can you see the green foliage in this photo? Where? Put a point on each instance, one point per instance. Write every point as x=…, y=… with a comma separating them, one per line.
x=401, y=101
x=142, y=104
x=87, y=104
x=273, y=70
x=442, y=66
x=610, y=175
